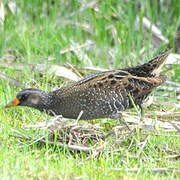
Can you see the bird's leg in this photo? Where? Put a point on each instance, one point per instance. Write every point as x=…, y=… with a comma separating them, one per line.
x=142, y=112
x=119, y=117
x=125, y=123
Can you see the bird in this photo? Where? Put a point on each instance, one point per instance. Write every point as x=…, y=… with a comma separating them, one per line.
x=103, y=95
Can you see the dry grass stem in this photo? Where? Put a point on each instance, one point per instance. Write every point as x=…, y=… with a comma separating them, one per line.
x=76, y=47
x=162, y=170
x=93, y=138
x=10, y=79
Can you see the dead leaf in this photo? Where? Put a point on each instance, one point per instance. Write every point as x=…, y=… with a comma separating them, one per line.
x=173, y=59
x=63, y=72
x=2, y=13
x=12, y=7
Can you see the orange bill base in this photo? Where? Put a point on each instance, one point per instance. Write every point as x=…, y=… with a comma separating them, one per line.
x=14, y=102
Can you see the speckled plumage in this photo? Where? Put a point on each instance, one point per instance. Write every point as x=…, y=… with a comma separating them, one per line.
x=100, y=95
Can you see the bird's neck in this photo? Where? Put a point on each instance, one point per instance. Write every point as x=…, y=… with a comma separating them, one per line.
x=51, y=104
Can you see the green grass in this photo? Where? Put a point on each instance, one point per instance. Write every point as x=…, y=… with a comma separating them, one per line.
x=36, y=34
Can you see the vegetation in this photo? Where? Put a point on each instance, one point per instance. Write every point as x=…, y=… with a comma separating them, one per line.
x=36, y=33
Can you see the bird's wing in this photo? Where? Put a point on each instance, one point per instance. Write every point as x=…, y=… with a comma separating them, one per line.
x=105, y=80
x=115, y=80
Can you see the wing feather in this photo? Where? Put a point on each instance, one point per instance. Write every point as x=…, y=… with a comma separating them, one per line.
x=110, y=81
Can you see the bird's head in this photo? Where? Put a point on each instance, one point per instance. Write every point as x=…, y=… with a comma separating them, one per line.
x=30, y=97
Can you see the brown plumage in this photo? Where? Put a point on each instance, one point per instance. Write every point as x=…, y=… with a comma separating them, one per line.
x=101, y=95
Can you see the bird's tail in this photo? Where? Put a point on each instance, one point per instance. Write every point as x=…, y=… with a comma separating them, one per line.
x=151, y=68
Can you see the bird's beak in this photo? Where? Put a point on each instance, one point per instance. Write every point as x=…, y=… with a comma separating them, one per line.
x=14, y=102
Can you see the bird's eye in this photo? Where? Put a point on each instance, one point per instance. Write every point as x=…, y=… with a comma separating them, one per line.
x=33, y=99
